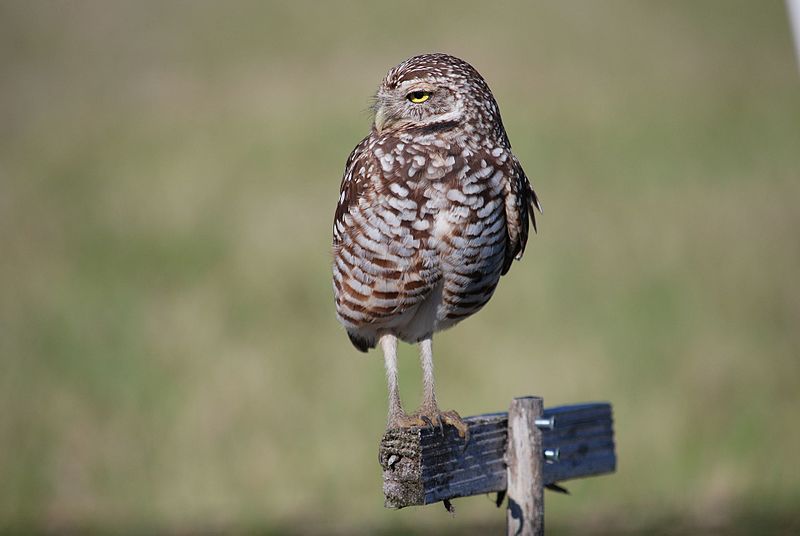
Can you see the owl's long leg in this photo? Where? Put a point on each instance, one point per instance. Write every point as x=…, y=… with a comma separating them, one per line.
x=389, y=347
x=429, y=411
x=426, y=359
x=397, y=417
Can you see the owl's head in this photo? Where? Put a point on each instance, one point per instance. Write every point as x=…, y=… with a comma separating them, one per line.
x=433, y=91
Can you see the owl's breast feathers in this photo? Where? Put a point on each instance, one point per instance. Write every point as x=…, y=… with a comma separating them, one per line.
x=417, y=215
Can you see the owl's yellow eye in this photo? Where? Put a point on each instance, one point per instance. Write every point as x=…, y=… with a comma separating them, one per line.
x=418, y=97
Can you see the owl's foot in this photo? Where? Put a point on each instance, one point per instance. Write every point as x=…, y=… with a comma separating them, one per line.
x=404, y=420
x=436, y=417
x=432, y=417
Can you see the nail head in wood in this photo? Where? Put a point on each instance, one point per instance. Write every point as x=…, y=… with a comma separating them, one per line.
x=546, y=423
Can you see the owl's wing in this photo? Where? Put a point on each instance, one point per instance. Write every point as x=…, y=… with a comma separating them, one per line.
x=521, y=202
x=354, y=183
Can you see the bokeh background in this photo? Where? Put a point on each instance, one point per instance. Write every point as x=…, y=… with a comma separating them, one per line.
x=169, y=357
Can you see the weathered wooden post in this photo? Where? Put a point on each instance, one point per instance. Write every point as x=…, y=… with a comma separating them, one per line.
x=518, y=453
x=524, y=461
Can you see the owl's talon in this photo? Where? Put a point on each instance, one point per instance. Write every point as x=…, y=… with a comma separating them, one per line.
x=404, y=420
x=454, y=419
x=436, y=418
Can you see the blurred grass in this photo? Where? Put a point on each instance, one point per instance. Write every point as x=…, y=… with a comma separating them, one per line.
x=169, y=358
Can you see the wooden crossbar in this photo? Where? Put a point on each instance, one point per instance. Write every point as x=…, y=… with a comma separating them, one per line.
x=427, y=465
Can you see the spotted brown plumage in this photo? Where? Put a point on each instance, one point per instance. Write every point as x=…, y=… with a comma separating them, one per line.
x=433, y=208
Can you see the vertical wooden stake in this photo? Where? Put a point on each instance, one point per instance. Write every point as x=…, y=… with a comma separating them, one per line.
x=524, y=459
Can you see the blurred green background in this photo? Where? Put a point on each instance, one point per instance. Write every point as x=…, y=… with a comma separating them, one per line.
x=169, y=356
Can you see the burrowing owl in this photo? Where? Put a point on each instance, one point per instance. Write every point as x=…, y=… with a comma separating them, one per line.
x=433, y=209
